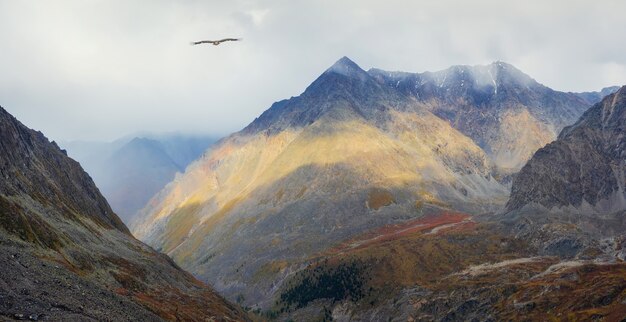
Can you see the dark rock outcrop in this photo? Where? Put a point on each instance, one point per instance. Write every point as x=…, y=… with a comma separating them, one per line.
x=587, y=164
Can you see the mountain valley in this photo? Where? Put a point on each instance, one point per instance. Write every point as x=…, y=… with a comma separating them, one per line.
x=373, y=195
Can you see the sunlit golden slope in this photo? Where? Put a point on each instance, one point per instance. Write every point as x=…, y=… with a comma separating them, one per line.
x=518, y=136
x=258, y=204
x=222, y=199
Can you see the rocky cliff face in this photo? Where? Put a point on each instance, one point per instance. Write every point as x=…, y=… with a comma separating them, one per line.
x=585, y=168
x=506, y=112
x=347, y=155
x=64, y=254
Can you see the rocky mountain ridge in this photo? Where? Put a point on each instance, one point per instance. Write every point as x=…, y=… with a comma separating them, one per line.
x=66, y=256
x=506, y=112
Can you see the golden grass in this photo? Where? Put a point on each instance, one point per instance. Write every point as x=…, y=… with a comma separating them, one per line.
x=197, y=237
x=519, y=136
x=180, y=223
x=270, y=269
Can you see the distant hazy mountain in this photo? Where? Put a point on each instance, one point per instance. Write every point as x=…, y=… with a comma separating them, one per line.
x=130, y=171
x=594, y=97
x=506, y=112
x=64, y=254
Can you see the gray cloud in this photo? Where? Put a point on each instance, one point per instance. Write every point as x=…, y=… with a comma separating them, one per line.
x=102, y=69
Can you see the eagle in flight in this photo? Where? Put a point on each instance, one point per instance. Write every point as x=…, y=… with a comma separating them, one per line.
x=215, y=42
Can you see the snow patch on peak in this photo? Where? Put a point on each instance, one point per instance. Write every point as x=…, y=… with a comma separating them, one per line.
x=495, y=84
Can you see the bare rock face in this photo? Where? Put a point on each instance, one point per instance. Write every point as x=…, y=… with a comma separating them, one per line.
x=506, y=112
x=585, y=167
x=64, y=254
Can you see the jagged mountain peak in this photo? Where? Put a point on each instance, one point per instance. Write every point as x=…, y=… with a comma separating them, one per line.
x=508, y=72
x=502, y=65
x=343, y=74
x=345, y=66
x=348, y=68
x=343, y=90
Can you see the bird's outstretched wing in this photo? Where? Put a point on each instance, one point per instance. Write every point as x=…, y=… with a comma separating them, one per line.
x=215, y=42
x=228, y=39
x=202, y=42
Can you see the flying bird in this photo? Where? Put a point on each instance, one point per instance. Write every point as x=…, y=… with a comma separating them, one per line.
x=215, y=42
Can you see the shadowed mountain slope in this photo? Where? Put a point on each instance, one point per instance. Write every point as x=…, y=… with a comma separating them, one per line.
x=64, y=254
x=584, y=168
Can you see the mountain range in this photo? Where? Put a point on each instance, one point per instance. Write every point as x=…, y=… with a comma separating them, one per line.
x=66, y=256
x=359, y=158
x=472, y=193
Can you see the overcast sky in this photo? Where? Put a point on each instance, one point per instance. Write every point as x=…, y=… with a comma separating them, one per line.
x=99, y=70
